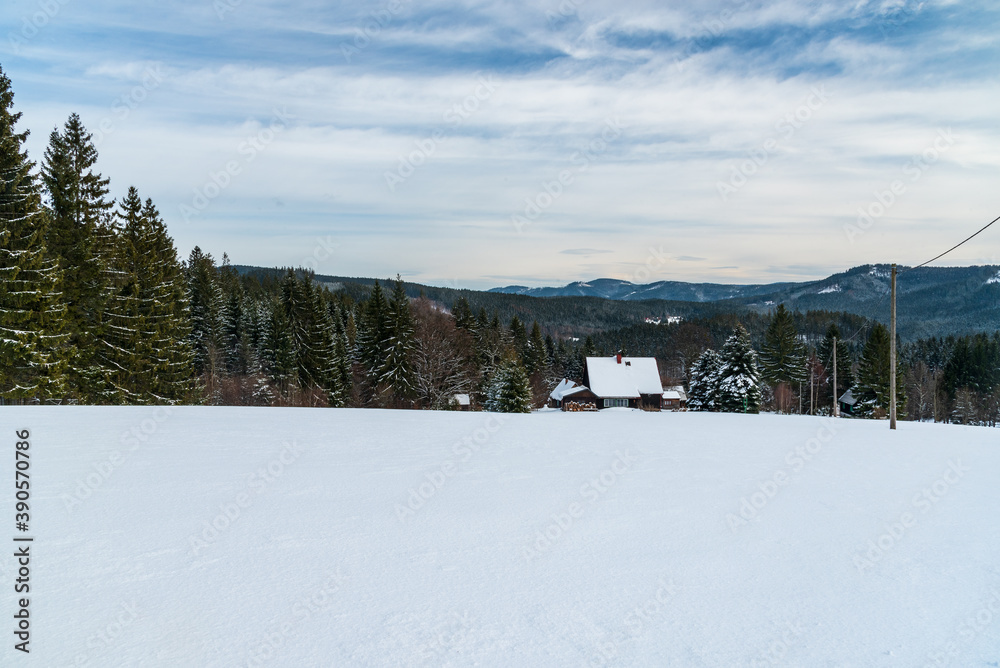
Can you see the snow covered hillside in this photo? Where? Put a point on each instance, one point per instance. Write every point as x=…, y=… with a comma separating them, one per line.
x=274, y=537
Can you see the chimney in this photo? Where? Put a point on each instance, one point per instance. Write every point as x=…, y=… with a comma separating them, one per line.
x=619, y=358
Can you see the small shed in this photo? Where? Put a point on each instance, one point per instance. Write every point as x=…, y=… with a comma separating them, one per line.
x=461, y=402
x=570, y=396
x=671, y=400
x=675, y=398
x=847, y=402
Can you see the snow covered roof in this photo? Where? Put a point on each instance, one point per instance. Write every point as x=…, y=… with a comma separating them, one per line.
x=672, y=394
x=634, y=376
x=848, y=398
x=461, y=399
x=565, y=388
x=679, y=389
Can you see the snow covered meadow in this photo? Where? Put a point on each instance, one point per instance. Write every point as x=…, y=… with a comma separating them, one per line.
x=296, y=537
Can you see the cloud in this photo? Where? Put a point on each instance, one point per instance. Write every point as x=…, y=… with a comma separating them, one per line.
x=584, y=251
x=707, y=94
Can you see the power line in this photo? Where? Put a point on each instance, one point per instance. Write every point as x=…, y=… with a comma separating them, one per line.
x=934, y=259
x=988, y=225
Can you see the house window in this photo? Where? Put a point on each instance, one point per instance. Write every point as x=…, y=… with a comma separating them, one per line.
x=616, y=403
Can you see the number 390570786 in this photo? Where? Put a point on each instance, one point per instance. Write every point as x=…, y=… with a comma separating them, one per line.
x=21, y=478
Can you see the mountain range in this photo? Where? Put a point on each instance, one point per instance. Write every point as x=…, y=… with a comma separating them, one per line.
x=931, y=301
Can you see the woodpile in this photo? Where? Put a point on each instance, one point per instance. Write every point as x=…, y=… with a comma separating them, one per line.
x=579, y=407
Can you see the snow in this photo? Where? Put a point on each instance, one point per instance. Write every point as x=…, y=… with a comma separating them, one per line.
x=564, y=388
x=672, y=394
x=879, y=273
x=994, y=280
x=638, y=554
x=831, y=289
x=634, y=376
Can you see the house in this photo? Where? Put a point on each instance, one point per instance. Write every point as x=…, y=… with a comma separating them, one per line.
x=675, y=398
x=461, y=402
x=570, y=396
x=847, y=403
x=624, y=382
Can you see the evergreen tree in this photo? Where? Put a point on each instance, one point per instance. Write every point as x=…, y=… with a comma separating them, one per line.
x=463, y=314
x=342, y=379
x=739, y=376
x=519, y=336
x=509, y=389
x=322, y=352
x=703, y=394
x=374, y=331
x=279, y=350
x=146, y=346
x=78, y=207
x=537, y=357
x=783, y=355
x=235, y=337
x=397, y=370
x=872, y=389
x=34, y=350
x=205, y=299
x=312, y=333
x=352, y=333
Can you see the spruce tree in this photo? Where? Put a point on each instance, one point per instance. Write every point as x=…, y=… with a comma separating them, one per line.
x=872, y=389
x=463, y=314
x=537, y=359
x=739, y=376
x=374, y=331
x=509, y=389
x=396, y=373
x=783, y=355
x=235, y=336
x=146, y=347
x=205, y=299
x=279, y=349
x=34, y=350
x=703, y=393
x=78, y=207
x=519, y=336
x=342, y=379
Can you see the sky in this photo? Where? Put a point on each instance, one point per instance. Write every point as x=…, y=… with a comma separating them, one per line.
x=477, y=144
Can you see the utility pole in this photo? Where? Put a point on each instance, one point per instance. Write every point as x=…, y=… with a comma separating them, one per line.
x=892, y=355
x=836, y=399
x=812, y=393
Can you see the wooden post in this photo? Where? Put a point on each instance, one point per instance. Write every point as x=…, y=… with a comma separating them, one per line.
x=892, y=355
x=836, y=399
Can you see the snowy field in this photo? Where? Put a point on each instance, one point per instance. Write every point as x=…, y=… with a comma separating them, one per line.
x=273, y=537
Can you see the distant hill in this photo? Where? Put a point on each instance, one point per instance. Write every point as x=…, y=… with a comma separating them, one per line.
x=612, y=288
x=933, y=301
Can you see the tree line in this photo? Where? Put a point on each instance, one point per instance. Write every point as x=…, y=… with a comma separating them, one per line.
x=954, y=379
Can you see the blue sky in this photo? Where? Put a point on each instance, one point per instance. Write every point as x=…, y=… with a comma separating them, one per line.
x=478, y=144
